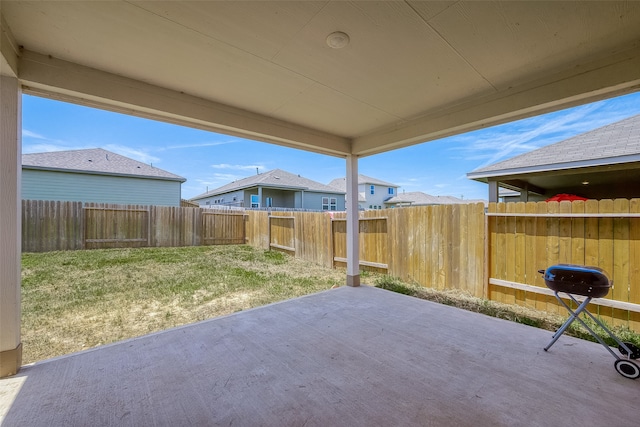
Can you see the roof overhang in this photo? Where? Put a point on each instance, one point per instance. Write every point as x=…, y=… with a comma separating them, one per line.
x=116, y=174
x=214, y=193
x=596, y=180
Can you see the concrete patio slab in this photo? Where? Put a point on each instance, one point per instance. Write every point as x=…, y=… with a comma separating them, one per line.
x=344, y=357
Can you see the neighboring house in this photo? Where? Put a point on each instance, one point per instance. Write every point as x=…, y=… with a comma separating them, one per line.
x=418, y=198
x=97, y=175
x=372, y=192
x=275, y=189
x=601, y=164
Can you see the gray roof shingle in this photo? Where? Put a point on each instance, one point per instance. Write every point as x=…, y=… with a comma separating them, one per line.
x=614, y=143
x=420, y=198
x=274, y=178
x=95, y=161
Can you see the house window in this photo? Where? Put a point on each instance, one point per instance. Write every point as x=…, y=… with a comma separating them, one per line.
x=329, y=204
x=208, y=202
x=255, y=201
x=269, y=202
x=372, y=189
x=391, y=190
x=370, y=206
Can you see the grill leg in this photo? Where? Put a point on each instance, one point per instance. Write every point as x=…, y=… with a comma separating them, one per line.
x=565, y=325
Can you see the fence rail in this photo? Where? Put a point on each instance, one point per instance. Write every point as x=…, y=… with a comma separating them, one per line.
x=495, y=255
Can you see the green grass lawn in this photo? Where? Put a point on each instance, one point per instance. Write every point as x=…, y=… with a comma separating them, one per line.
x=76, y=300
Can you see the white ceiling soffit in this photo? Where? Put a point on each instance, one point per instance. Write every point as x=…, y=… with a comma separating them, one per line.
x=412, y=71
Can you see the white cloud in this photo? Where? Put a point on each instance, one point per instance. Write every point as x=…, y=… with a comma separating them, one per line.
x=28, y=134
x=238, y=167
x=505, y=141
x=196, y=145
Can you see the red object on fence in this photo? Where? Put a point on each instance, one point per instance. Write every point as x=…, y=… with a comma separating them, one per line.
x=562, y=197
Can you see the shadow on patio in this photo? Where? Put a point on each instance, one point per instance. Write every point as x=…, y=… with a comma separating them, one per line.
x=348, y=356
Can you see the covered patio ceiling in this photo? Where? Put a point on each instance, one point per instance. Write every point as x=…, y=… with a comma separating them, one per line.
x=413, y=71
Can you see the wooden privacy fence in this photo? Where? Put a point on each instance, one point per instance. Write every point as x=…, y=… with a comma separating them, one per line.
x=48, y=226
x=495, y=255
x=526, y=237
x=433, y=246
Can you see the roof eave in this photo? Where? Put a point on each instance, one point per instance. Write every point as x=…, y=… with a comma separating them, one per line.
x=484, y=176
x=80, y=171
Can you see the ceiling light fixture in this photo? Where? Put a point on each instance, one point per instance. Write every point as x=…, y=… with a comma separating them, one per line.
x=338, y=40
x=585, y=182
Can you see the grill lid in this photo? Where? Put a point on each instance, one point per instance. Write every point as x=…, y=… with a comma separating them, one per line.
x=577, y=279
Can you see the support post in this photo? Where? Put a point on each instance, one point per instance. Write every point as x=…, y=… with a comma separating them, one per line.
x=353, y=223
x=10, y=225
x=524, y=193
x=493, y=191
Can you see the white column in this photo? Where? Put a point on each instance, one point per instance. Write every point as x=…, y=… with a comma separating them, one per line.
x=353, y=227
x=10, y=224
x=493, y=191
x=524, y=193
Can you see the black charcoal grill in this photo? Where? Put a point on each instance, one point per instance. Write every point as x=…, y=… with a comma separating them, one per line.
x=588, y=283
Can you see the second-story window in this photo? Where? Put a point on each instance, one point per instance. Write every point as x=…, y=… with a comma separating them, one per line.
x=372, y=189
x=391, y=190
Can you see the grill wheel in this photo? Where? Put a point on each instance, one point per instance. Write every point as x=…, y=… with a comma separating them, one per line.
x=627, y=369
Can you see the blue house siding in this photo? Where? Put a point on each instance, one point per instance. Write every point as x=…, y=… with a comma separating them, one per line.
x=226, y=199
x=54, y=185
x=314, y=200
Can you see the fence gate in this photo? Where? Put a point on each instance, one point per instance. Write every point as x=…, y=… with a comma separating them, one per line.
x=373, y=244
x=117, y=227
x=220, y=228
x=282, y=232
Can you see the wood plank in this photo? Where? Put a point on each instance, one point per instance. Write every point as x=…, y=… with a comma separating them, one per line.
x=577, y=234
x=542, y=208
x=500, y=260
x=520, y=264
x=634, y=265
x=510, y=256
x=605, y=250
x=564, y=233
x=620, y=291
x=492, y=233
x=531, y=263
x=553, y=249
x=464, y=255
x=602, y=302
x=430, y=267
x=365, y=263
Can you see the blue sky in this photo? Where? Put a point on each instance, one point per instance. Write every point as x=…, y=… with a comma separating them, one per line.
x=209, y=160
